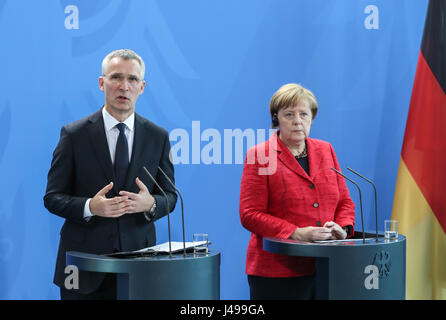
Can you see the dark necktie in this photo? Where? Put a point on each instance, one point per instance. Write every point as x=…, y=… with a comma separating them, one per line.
x=121, y=157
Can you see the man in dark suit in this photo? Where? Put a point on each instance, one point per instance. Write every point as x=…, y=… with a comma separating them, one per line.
x=97, y=183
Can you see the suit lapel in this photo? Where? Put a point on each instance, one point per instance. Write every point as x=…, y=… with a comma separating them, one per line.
x=96, y=132
x=286, y=157
x=315, y=157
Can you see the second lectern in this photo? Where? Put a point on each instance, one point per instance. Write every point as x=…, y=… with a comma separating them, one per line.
x=352, y=269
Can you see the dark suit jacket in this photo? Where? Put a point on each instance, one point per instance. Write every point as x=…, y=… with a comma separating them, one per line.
x=81, y=166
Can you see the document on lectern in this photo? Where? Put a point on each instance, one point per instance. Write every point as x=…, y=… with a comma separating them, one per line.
x=176, y=246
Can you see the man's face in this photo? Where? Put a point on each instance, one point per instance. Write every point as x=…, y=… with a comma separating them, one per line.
x=122, y=85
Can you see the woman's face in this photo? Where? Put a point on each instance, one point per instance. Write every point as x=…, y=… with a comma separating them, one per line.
x=295, y=123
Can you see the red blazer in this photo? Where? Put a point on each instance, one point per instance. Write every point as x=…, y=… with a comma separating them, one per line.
x=277, y=196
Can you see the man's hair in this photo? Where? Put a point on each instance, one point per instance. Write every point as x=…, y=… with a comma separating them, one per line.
x=125, y=54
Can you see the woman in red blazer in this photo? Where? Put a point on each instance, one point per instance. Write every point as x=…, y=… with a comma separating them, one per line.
x=288, y=191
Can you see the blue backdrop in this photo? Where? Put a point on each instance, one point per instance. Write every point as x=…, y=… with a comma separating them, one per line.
x=211, y=66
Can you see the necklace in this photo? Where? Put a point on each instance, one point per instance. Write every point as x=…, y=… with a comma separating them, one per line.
x=303, y=154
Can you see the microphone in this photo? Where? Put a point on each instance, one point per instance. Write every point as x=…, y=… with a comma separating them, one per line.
x=376, y=201
x=360, y=200
x=182, y=212
x=167, y=204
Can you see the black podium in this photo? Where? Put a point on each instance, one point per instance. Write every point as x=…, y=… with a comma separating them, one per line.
x=157, y=277
x=352, y=269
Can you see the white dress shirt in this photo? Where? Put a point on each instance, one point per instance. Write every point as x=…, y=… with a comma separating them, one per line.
x=112, y=133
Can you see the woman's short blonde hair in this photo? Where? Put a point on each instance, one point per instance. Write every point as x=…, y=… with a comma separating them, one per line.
x=290, y=95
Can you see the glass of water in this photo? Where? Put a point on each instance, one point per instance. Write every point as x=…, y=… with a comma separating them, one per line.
x=200, y=244
x=390, y=229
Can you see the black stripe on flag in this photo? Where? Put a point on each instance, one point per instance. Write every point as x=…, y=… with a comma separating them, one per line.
x=433, y=45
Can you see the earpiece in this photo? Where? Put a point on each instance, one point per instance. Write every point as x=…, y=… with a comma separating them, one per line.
x=275, y=120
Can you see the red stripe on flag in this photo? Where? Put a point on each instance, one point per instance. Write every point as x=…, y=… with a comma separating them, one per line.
x=424, y=148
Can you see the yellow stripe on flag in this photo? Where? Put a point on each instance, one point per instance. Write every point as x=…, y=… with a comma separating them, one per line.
x=426, y=240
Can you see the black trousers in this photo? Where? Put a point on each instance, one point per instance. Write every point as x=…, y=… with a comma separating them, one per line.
x=106, y=291
x=296, y=288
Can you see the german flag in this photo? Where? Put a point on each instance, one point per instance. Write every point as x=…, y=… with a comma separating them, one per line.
x=420, y=196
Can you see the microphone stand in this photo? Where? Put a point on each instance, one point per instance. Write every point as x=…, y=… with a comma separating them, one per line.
x=376, y=201
x=168, y=209
x=182, y=211
x=360, y=201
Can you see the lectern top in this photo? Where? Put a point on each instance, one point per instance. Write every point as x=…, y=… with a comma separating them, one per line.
x=325, y=248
